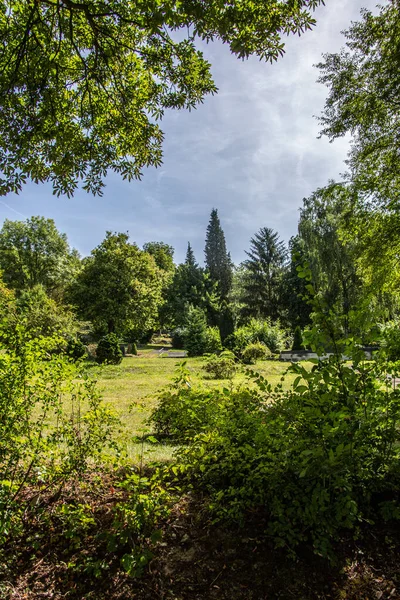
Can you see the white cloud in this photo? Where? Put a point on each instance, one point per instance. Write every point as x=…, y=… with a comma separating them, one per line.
x=251, y=151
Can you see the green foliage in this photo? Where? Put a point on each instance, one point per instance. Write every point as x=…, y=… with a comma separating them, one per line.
x=254, y=352
x=119, y=288
x=222, y=366
x=184, y=411
x=262, y=278
x=363, y=82
x=134, y=529
x=295, y=305
x=195, y=333
x=37, y=389
x=198, y=338
x=111, y=70
x=390, y=339
x=76, y=349
x=43, y=316
x=217, y=258
x=332, y=260
x=108, y=350
x=178, y=338
x=190, y=288
x=297, y=339
x=226, y=320
x=310, y=460
x=212, y=340
x=257, y=331
x=34, y=253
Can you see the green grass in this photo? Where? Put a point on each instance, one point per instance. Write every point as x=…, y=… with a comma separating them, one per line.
x=132, y=388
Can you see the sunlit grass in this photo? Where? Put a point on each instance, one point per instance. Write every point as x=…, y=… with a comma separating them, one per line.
x=132, y=389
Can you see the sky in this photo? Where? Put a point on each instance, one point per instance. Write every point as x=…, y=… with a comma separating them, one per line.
x=251, y=151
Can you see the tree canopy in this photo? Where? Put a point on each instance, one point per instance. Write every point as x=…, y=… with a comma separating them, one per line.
x=119, y=287
x=364, y=100
x=84, y=84
x=34, y=252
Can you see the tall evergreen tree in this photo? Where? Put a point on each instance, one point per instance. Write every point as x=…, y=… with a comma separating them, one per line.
x=217, y=259
x=263, y=275
x=190, y=260
x=191, y=287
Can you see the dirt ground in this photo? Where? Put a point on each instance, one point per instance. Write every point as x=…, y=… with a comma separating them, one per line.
x=196, y=561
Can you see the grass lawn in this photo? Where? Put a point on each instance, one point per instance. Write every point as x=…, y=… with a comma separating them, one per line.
x=132, y=387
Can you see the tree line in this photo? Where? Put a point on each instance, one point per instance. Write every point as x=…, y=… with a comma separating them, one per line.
x=133, y=292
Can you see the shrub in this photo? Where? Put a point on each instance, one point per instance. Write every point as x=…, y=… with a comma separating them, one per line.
x=133, y=348
x=198, y=338
x=184, y=411
x=254, y=352
x=178, y=338
x=222, y=366
x=76, y=349
x=46, y=440
x=297, y=339
x=257, y=331
x=212, y=340
x=312, y=462
x=108, y=350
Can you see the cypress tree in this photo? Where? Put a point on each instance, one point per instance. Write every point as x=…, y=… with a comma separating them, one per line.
x=217, y=259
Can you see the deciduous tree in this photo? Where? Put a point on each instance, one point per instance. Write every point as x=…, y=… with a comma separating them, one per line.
x=84, y=84
x=34, y=252
x=119, y=287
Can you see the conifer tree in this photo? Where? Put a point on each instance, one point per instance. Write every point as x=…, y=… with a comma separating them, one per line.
x=217, y=259
x=263, y=275
x=190, y=260
x=190, y=287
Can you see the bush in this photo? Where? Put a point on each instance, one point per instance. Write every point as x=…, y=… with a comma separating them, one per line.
x=222, y=366
x=45, y=440
x=254, y=352
x=76, y=349
x=178, y=338
x=108, y=350
x=183, y=411
x=257, y=331
x=198, y=338
x=212, y=340
x=316, y=460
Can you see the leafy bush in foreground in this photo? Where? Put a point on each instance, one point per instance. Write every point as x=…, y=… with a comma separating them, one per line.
x=53, y=424
x=311, y=460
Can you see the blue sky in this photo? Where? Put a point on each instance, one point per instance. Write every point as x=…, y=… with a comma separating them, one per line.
x=251, y=152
